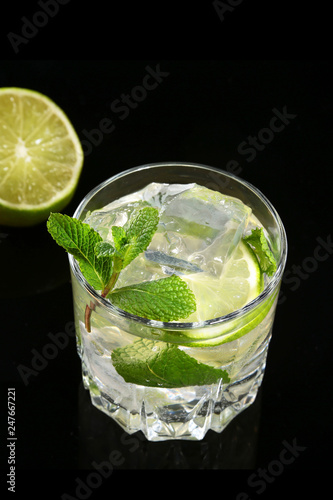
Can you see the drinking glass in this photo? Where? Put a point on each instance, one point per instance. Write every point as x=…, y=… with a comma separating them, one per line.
x=237, y=342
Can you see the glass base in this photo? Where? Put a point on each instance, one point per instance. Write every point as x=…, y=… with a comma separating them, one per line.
x=172, y=414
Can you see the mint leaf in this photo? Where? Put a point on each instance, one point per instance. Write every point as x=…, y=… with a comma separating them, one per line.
x=119, y=237
x=259, y=244
x=166, y=299
x=160, y=364
x=101, y=263
x=136, y=234
x=80, y=239
x=104, y=249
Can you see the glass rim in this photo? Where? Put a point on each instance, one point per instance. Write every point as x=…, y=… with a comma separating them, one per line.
x=174, y=325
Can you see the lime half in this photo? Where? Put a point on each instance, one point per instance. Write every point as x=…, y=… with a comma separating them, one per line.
x=41, y=157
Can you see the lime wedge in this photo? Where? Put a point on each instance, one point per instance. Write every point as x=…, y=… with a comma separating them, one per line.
x=40, y=157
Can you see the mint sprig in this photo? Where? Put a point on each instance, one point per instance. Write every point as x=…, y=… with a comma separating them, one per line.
x=160, y=364
x=258, y=243
x=101, y=263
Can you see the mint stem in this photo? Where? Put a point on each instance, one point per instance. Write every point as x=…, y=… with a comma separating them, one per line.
x=91, y=308
x=87, y=316
x=110, y=284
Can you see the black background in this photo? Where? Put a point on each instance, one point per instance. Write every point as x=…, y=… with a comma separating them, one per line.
x=222, y=81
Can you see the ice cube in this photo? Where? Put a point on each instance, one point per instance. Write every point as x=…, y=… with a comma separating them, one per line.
x=118, y=211
x=198, y=226
x=202, y=227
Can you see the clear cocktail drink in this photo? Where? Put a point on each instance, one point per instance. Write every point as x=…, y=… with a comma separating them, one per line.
x=204, y=215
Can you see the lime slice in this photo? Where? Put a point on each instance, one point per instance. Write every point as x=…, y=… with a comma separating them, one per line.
x=40, y=157
x=241, y=281
x=233, y=330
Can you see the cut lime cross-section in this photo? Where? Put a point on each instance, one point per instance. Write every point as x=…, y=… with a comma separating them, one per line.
x=41, y=157
x=240, y=282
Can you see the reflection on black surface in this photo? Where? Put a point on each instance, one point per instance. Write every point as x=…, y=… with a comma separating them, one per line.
x=101, y=439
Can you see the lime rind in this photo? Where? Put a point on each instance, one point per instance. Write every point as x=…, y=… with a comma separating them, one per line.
x=239, y=328
x=24, y=217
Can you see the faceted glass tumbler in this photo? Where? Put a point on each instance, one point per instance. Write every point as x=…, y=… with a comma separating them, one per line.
x=185, y=412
